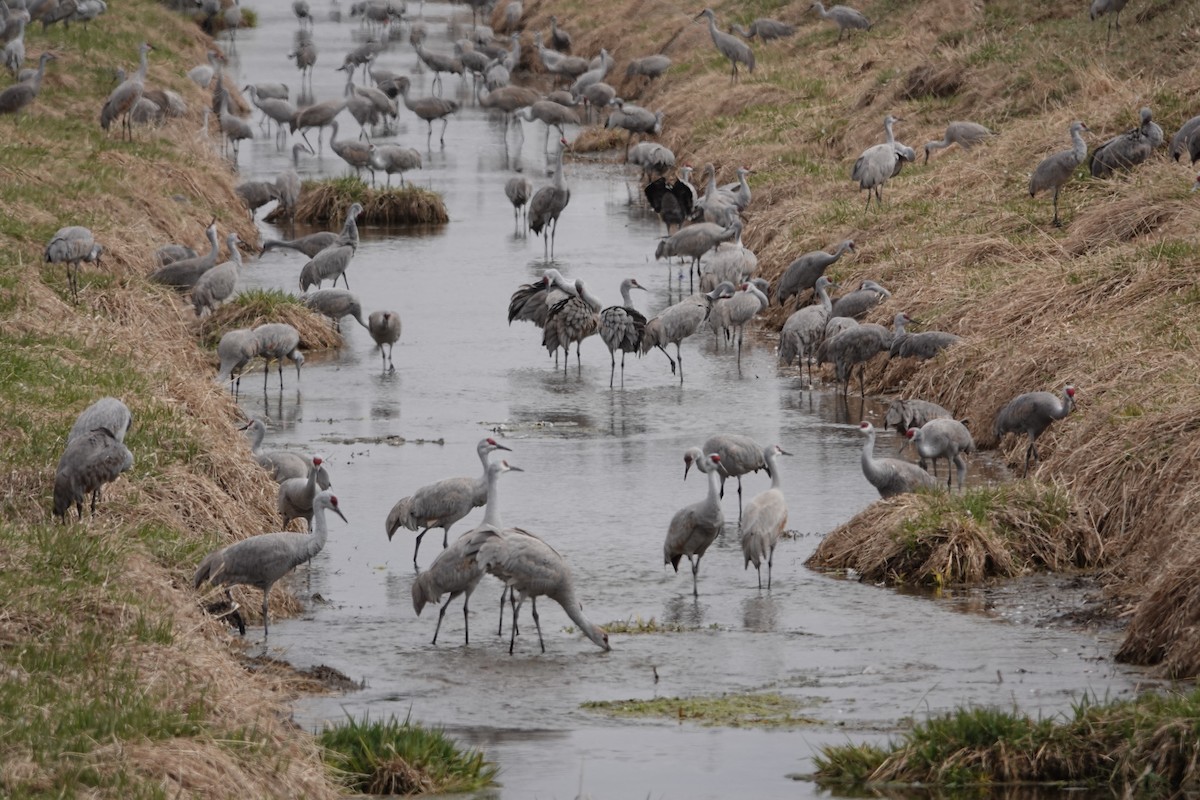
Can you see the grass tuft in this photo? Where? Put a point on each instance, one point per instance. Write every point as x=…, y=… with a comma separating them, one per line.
x=255, y=307
x=401, y=757
x=324, y=202
x=766, y=710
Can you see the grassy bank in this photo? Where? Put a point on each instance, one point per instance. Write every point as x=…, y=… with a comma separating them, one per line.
x=116, y=684
x=1108, y=302
x=325, y=203
x=1147, y=747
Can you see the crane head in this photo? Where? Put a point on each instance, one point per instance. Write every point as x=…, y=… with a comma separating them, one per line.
x=1070, y=391
x=492, y=444
x=316, y=461
x=633, y=284
x=866, y=427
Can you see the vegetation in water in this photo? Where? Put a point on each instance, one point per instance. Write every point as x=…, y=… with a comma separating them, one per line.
x=757, y=710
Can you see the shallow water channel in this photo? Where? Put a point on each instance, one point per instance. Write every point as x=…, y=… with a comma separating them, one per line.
x=602, y=479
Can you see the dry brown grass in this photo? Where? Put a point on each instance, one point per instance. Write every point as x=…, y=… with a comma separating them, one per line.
x=325, y=202
x=1108, y=302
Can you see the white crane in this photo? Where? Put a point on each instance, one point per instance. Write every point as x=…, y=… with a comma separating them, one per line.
x=766, y=515
x=695, y=527
x=260, y=561
x=441, y=504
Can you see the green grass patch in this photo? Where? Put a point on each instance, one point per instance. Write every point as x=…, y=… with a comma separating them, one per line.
x=767, y=710
x=1150, y=745
x=400, y=757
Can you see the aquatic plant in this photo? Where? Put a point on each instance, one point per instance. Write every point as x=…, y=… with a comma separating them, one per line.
x=752, y=710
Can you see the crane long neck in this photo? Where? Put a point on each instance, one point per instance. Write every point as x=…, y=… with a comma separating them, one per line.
x=714, y=486
x=559, y=181
x=712, y=26
x=1079, y=147
x=213, y=246
x=1065, y=406
x=776, y=483
x=826, y=303
x=566, y=599
x=316, y=542
x=311, y=486
x=870, y=467
x=491, y=515
x=626, y=300
x=257, y=432
x=887, y=127
x=590, y=299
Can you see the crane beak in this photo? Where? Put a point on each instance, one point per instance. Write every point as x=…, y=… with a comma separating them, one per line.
x=338, y=511
x=783, y=452
x=508, y=449
x=686, y=466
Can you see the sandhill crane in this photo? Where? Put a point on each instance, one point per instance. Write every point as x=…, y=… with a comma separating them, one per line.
x=738, y=192
x=277, y=341
x=88, y=10
x=1031, y=413
x=295, y=497
x=694, y=241
x=287, y=183
x=256, y=194
x=438, y=63
x=673, y=202
x=877, y=163
x=260, y=561
x=856, y=304
x=718, y=207
x=335, y=304
x=560, y=40
x=1181, y=141
x=571, y=320
x=217, y=284
x=552, y=115
x=804, y=330
x=441, y=504
x=943, y=438
x=766, y=514
x=233, y=21
x=532, y=302
x=392, y=158
x=384, y=327
x=734, y=49
x=922, y=346
x=765, y=29
x=319, y=116
x=674, y=324
x=695, y=527
x=303, y=13
x=743, y=307
x=123, y=98
x=107, y=412
x=429, y=109
x=235, y=129
x=331, y=262
x=903, y=414
x=1101, y=7
x=356, y=154
x=70, y=246
x=891, y=476
x=531, y=568
x=1127, y=150
x=1054, y=171
x=731, y=262
x=13, y=53
x=88, y=462
x=234, y=351
x=548, y=203
x=740, y=455
x=281, y=464
x=274, y=109
x=633, y=119
x=593, y=76
x=308, y=245
x=621, y=328
x=171, y=253
x=650, y=67
x=965, y=134
x=202, y=75
x=844, y=17
x=596, y=96
x=518, y=191
x=654, y=159
x=305, y=56
x=457, y=570
x=855, y=347
x=19, y=96
x=803, y=273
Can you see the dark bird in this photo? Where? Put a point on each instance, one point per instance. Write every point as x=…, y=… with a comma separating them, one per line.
x=1126, y=151
x=891, y=476
x=802, y=274
x=89, y=461
x=1054, y=171
x=673, y=202
x=548, y=203
x=261, y=560
x=695, y=527
x=621, y=328
x=1031, y=413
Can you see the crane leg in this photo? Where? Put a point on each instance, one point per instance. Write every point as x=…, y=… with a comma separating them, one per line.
x=622, y=367
x=445, y=537
x=418, y=545
x=739, y=498
x=516, y=607
x=579, y=357
x=466, y=618
x=429, y=135
x=960, y=466
x=1057, y=222
x=537, y=624
x=503, y=597
x=695, y=575
x=862, y=389
x=442, y=613
x=266, y=605
x=770, y=563
x=445, y=122
x=668, y=355
x=679, y=358
x=612, y=373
